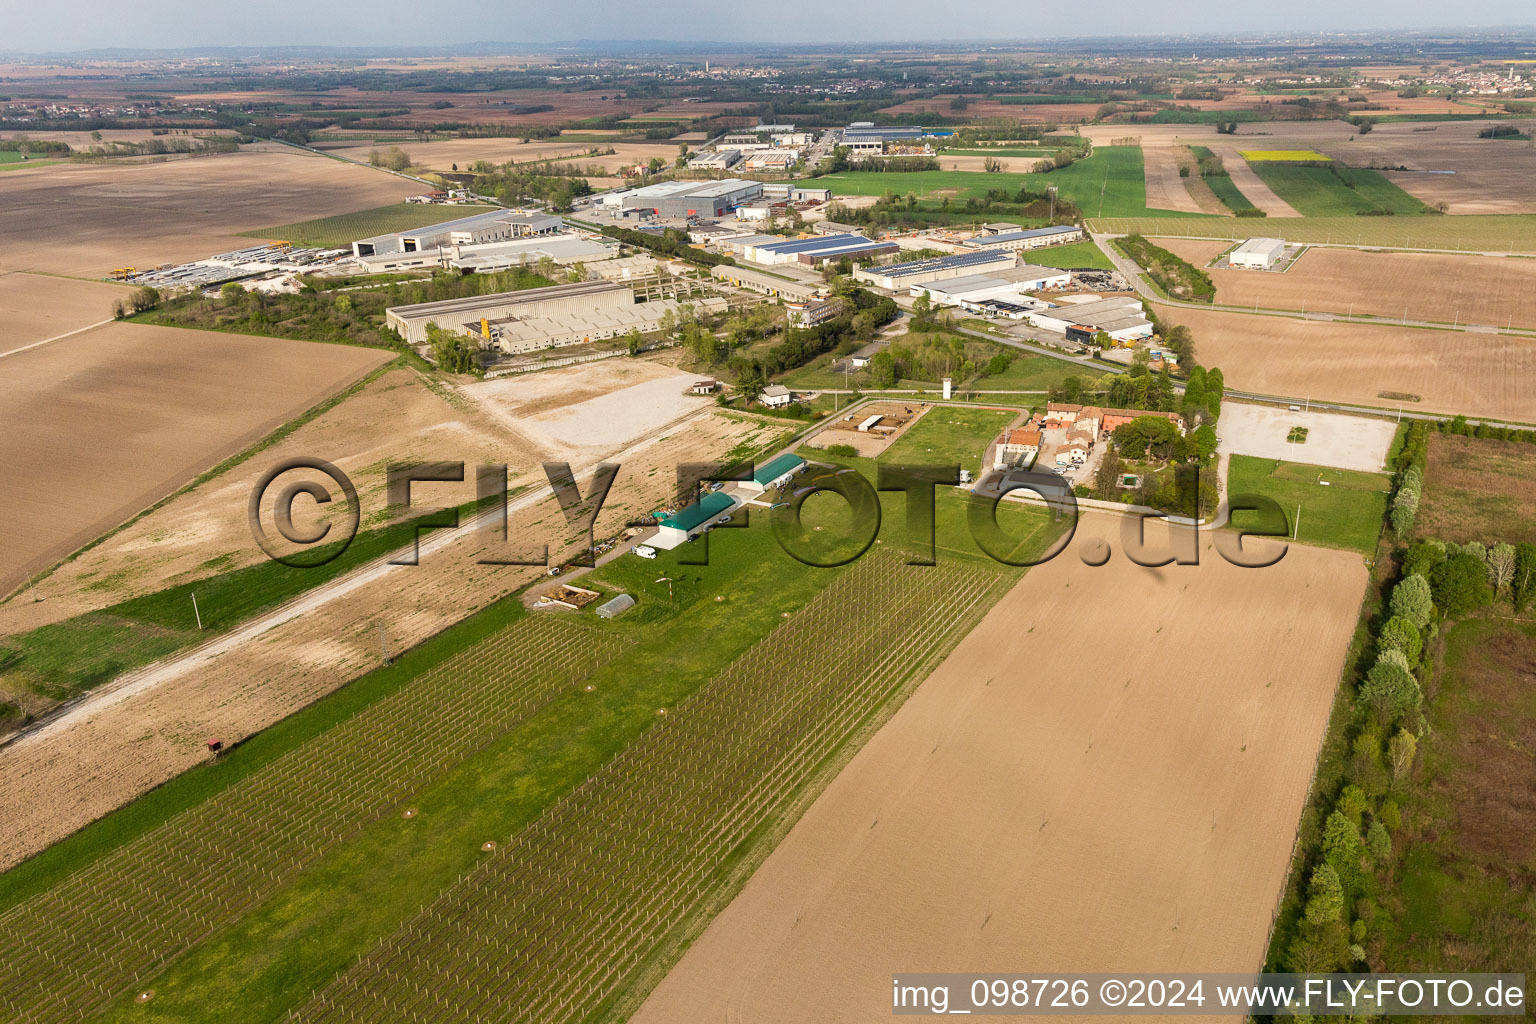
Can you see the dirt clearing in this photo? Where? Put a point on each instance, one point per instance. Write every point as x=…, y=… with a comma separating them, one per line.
x=101, y=425
x=1448, y=371
x=1493, y=291
x=34, y=307
x=1124, y=801
x=1343, y=442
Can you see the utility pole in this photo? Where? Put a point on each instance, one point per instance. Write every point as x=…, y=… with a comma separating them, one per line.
x=383, y=645
x=197, y=614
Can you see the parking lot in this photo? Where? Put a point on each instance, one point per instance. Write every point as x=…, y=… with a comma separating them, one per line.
x=1338, y=441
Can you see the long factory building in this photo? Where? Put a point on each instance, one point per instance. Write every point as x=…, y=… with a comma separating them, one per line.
x=477, y=229
x=894, y=276
x=683, y=198
x=816, y=250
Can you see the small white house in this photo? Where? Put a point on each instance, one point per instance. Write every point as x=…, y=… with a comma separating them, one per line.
x=776, y=396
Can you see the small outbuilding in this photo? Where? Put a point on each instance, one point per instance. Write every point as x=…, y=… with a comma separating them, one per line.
x=686, y=524
x=615, y=606
x=774, y=473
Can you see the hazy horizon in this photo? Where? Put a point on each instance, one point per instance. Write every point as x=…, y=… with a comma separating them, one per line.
x=183, y=24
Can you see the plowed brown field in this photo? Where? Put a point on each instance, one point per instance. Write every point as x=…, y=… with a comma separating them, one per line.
x=34, y=307
x=97, y=427
x=1051, y=801
x=1493, y=291
x=1450, y=371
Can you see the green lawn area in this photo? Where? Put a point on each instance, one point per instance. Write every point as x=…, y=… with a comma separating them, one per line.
x=1110, y=183
x=346, y=228
x=948, y=435
x=10, y=156
x=1032, y=373
x=1348, y=513
x=1477, y=233
x=1073, y=256
x=1335, y=191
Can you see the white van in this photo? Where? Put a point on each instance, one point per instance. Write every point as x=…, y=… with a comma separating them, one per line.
x=645, y=551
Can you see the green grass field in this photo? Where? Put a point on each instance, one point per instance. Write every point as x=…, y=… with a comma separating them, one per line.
x=1073, y=256
x=1001, y=151
x=1033, y=373
x=10, y=156
x=346, y=228
x=1110, y=183
x=1336, y=191
x=948, y=435
x=1482, y=233
x=1346, y=514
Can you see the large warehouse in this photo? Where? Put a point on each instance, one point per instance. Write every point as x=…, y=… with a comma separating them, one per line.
x=895, y=276
x=520, y=332
x=816, y=250
x=765, y=283
x=1034, y=238
x=451, y=314
x=493, y=226
x=1257, y=254
x=684, y=198
x=1122, y=318
x=491, y=256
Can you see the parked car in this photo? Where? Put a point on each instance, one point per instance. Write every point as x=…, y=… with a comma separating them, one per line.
x=645, y=551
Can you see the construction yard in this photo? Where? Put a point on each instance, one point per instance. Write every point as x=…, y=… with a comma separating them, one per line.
x=1121, y=804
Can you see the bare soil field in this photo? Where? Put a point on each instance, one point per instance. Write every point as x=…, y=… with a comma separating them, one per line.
x=87, y=219
x=99, y=426
x=1478, y=489
x=985, y=110
x=869, y=444
x=1450, y=371
x=35, y=307
x=1165, y=189
x=1126, y=803
x=55, y=781
x=1492, y=291
x=442, y=155
x=83, y=141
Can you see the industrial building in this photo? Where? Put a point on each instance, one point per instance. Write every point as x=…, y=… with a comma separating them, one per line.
x=493, y=226
x=775, y=473
x=765, y=283
x=994, y=296
x=411, y=321
x=1257, y=254
x=812, y=312
x=687, y=523
x=895, y=276
x=488, y=257
x=1034, y=238
x=683, y=198
x=1122, y=318
x=719, y=160
x=817, y=250
x=863, y=138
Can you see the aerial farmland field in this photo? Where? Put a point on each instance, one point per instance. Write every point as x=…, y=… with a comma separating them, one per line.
x=1493, y=291
x=99, y=405
x=1134, y=797
x=343, y=229
x=1382, y=365
x=1487, y=233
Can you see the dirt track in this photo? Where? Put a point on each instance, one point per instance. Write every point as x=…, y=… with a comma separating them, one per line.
x=1119, y=794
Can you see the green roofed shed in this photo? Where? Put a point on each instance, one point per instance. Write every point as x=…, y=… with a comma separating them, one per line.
x=776, y=471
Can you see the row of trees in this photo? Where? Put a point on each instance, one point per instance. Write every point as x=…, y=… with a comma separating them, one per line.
x=1354, y=860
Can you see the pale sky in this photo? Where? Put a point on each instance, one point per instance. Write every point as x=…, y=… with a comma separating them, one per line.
x=91, y=24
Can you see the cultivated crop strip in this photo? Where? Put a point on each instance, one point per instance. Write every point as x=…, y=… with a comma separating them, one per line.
x=553, y=922
x=122, y=918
